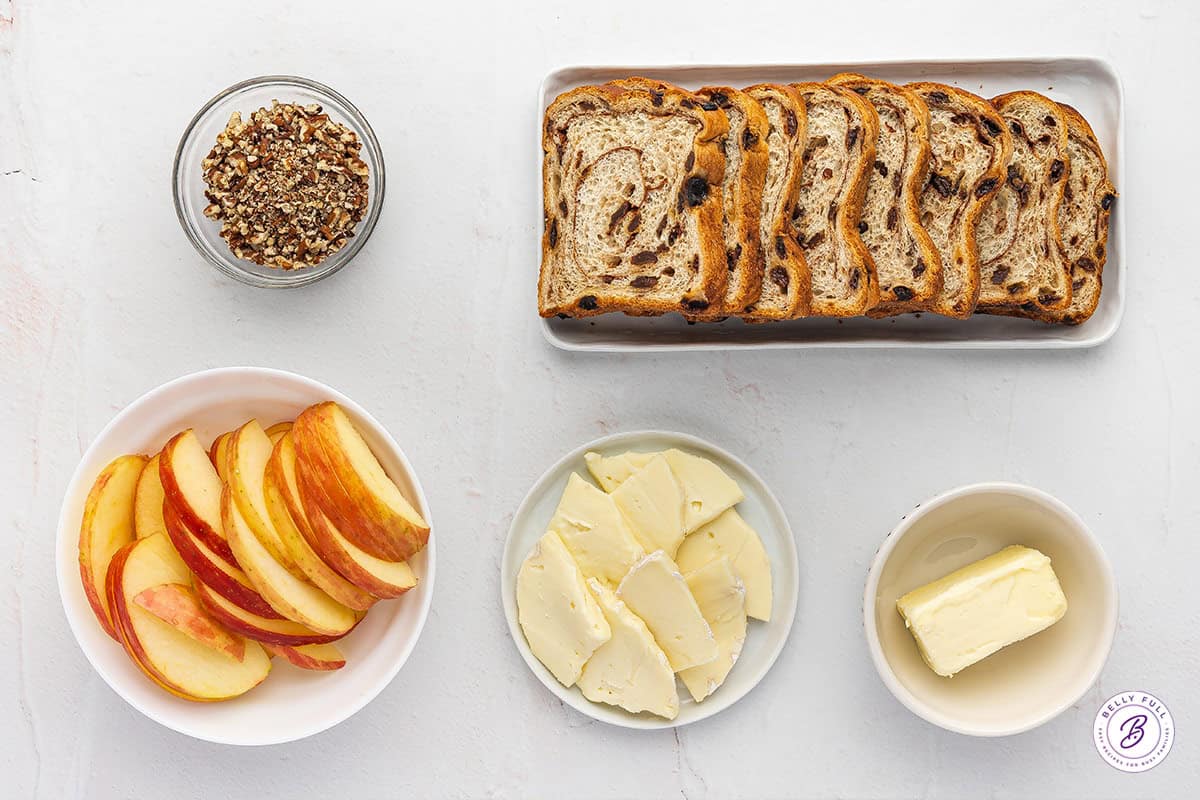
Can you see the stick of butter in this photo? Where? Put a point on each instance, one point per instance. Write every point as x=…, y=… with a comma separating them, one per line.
x=971, y=613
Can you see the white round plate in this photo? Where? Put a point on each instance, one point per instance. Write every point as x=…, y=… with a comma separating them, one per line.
x=291, y=703
x=764, y=640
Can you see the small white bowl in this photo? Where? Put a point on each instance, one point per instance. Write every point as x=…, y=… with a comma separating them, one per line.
x=764, y=640
x=1027, y=683
x=291, y=703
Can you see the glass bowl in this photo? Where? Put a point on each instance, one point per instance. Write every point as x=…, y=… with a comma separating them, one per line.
x=201, y=134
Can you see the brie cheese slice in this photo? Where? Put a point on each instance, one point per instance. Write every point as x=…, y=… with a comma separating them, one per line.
x=595, y=533
x=630, y=670
x=656, y=592
x=652, y=502
x=729, y=535
x=722, y=601
x=561, y=620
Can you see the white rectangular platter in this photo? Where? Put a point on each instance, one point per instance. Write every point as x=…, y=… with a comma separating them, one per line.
x=1089, y=84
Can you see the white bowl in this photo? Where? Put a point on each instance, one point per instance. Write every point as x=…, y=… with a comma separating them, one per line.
x=292, y=703
x=1025, y=684
x=764, y=640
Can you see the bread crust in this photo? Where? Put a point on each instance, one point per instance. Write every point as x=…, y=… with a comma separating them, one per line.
x=964, y=251
x=1032, y=297
x=849, y=210
x=1087, y=270
x=784, y=265
x=924, y=288
x=708, y=161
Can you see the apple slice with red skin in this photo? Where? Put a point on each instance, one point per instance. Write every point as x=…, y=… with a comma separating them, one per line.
x=276, y=431
x=287, y=513
x=381, y=578
x=148, y=502
x=176, y=605
x=362, y=501
x=249, y=452
x=296, y=599
x=106, y=527
x=169, y=657
x=217, y=453
x=193, y=491
x=311, y=656
x=253, y=626
x=216, y=572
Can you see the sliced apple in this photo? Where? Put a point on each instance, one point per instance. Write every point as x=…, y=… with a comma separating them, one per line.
x=176, y=605
x=148, y=501
x=287, y=514
x=295, y=599
x=276, y=431
x=217, y=453
x=193, y=490
x=311, y=656
x=107, y=526
x=364, y=503
x=220, y=575
x=174, y=660
x=252, y=626
x=249, y=451
x=377, y=576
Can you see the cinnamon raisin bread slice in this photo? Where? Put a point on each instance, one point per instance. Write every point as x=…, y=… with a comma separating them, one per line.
x=632, y=203
x=1021, y=264
x=969, y=151
x=745, y=148
x=907, y=263
x=842, y=129
x=785, y=283
x=1083, y=219
x=742, y=193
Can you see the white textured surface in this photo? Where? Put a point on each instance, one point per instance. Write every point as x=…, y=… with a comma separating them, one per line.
x=102, y=298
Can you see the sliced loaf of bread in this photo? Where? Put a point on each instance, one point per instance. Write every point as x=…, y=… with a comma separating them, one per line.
x=969, y=152
x=632, y=203
x=1021, y=264
x=1083, y=219
x=838, y=159
x=785, y=284
x=906, y=262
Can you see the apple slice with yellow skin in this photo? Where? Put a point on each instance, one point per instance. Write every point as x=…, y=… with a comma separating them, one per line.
x=364, y=503
x=311, y=656
x=295, y=599
x=276, y=431
x=287, y=513
x=193, y=490
x=252, y=626
x=217, y=453
x=107, y=526
x=148, y=502
x=174, y=660
x=381, y=578
x=249, y=450
x=176, y=605
x=220, y=575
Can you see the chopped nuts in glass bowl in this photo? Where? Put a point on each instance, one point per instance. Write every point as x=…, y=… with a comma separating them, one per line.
x=278, y=181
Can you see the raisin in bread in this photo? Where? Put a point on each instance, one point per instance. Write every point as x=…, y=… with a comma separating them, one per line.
x=742, y=192
x=785, y=283
x=1021, y=264
x=969, y=152
x=1083, y=219
x=906, y=262
x=839, y=152
x=632, y=203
